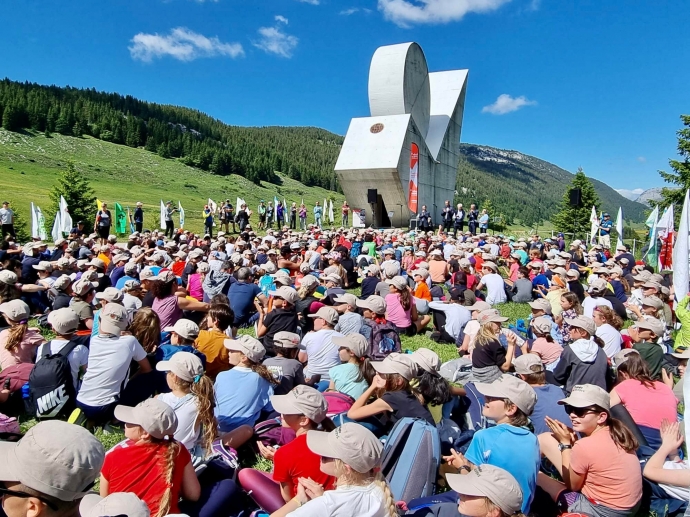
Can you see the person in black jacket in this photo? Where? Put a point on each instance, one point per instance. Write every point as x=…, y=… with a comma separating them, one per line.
x=574, y=285
x=139, y=217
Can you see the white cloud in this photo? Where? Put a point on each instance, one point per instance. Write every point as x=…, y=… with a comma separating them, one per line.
x=641, y=159
x=407, y=12
x=182, y=44
x=274, y=41
x=630, y=194
x=507, y=104
x=282, y=19
x=353, y=10
x=312, y=2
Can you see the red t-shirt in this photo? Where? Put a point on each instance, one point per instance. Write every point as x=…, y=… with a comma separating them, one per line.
x=140, y=469
x=178, y=268
x=294, y=461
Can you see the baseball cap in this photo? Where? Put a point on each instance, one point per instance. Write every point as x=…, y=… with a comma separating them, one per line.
x=584, y=323
x=16, y=310
x=331, y=278
x=541, y=304
x=490, y=316
x=426, y=359
x=542, y=325
x=598, y=285
x=43, y=265
x=328, y=314
x=8, y=277
x=652, y=324
x=146, y=274
x=118, y=503
x=286, y=293
x=301, y=400
x=110, y=294
x=490, y=265
x=398, y=282
x=421, y=272
x=357, y=343
x=390, y=270
x=394, y=362
x=479, y=305
x=510, y=387
x=585, y=395
x=573, y=273
x=281, y=277
x=622, y=356
x=652, y=301
x=185, y=328
x=347, y=298
x=374, y=303
x=643, y=276
x=113, y=319
x=494, y=483
x=185, y=365
x=120, y=257
x=249, y=346
x=156, y=417
x=64, y=321
x=164, y=276
x=351, y=443
x=54, y=458
x=96, y=262
x=82, y=286
x=523, y=364
x=286, y=339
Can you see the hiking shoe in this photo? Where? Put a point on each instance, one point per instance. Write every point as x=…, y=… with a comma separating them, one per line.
x=77, y=418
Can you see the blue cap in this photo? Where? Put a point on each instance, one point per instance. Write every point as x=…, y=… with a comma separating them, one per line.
x=160, y=243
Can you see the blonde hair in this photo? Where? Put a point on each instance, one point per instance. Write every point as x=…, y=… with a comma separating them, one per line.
x=146, y=327
x=172, y=449
x=350, y=477
x=205, y=402
x=486, y=334
x=307, y=290
x=490, y=507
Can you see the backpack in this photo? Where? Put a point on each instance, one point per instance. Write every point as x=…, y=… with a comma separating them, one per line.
x=51, y=386
x=411, y=458
x=337, y=403
x=356, y=250
x=271, y=432
x=384, y=340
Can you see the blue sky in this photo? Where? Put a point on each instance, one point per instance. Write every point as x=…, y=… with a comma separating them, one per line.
x=591, y=83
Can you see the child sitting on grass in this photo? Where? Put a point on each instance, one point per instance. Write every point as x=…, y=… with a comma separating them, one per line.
x=354, y=376
x=285, y=367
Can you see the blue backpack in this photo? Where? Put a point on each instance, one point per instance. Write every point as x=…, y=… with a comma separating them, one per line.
x=411, y=459
x=356, y=249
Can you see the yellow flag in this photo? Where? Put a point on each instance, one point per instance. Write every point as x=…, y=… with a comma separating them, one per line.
x=99, y=204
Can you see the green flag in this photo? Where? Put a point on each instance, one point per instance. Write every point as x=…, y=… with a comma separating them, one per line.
x=120, y=219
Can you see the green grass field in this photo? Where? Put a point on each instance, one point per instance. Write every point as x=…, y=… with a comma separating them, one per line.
x=29, y=163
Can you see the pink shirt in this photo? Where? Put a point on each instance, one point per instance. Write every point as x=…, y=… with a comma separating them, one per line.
x=195, y=289
x=24, y=353
x=549, y=352
x=514, y=268
x=395, y=312
x=648, y=406
x=167, y=309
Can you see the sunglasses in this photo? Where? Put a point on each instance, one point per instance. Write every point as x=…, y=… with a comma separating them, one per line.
x=578, y=411
x=13, y=493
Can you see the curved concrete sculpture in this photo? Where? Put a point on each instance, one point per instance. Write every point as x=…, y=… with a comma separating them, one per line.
x=410, y=139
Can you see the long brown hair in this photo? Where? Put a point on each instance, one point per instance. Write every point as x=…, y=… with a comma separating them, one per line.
x=405, y=298
x=146, y=327
x=261, y=371
x=636, y=368
x=172, y=449
x=574, y=302
x=620, y=434
x=15, y=336
x=206, y=402
x=610, y=316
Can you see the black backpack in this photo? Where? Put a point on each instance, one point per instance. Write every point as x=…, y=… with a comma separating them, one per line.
x=51, y=386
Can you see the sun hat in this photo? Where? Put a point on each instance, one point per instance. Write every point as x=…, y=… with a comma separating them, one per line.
x=118, y=503
x=510, y=387
x=398, y=282
x=328, y=314
x=351, y=443
x=286, y=339
x=249, y=346
x=426, y=359
x=685, y=354
x=357, y=343
x=301, y=400
x=620, y=357
x=494, y=483
x=542, y=325
x=83, y=286
x=652, y=324
x=490, y=316
x=402, y=364
x=165, y=276
x=374, y=303
x=64, y=321
x=584, y=323
x=541, y=304
x=523, y=364
x=184, y=328
x=185, y=365
x=110, y=294
x=113, y=319
x=54, y=458
x=349, y=299
x=154, y=416
x=16, y=310
x=585, y=395
x=43, y=265
x=286, y=293
x=479, y=305
x=652, y=301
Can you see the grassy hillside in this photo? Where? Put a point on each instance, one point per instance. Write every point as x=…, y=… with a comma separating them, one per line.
x=29, y=162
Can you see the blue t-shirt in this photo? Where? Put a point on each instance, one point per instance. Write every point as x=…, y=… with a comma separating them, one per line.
x=345, y=378
x=547, y=405
x=116, y=274
x=242, y=296
x=241, y=396
x=606, y=227
x=514, y=449
x=540, y=279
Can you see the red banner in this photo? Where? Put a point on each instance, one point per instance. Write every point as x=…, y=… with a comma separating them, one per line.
x=666, y=254
x=414, y=173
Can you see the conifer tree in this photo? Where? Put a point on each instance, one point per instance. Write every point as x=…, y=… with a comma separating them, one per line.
x=78, y=194
x=571, y=219
x=681, y=174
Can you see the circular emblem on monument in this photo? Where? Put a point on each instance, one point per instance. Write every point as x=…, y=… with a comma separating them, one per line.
x=376, y=128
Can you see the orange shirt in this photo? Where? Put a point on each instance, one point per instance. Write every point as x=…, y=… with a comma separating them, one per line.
x=210, y=343
x=421, y=290
x=105, y=260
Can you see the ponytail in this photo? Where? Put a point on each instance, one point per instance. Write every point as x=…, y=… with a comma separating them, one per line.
x=262, y=372
x=16, y=335
x=388, y=498
x=366, y=371
x=206, y=402
x=327, y=425
x=621, y=435
x=172, y=449
x=433, y=388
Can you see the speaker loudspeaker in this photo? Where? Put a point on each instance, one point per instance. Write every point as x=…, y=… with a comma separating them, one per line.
x=372, y=195
x=576, y=197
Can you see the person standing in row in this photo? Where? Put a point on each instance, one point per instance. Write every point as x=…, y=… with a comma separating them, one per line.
x=303, y=217
x=208, y=221
x=262, y=215
x=459, y=221
x=280, y=215
x=447, y=216
x=424, y=219
x=104, y=221
x=169, y=226
x=318, y=213
x=7, y=220
x=346, y=214
x=293, y=216
x=139, y=217
x=227, y=217
x=243, y=217
x=472, y=218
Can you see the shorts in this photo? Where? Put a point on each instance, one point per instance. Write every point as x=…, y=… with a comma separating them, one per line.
x=104, y=232
x=262, y=218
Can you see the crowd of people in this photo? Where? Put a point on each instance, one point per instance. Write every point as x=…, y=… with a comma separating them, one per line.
x=203, y=348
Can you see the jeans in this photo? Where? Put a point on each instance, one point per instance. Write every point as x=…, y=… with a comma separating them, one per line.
x=293, y=222
x=344, y=221
x=302, y=223
x=318, y=221
x=169, y=228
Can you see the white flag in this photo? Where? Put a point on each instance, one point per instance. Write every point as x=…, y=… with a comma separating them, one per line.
x=212, y=205
x=594, y=222
x=275, y=208
x=34, y=223
x=330, y=212
x=238, y=204
x=164, y=211
x=66, y=219
x=681, y=273
x=57, y=227
x=40, y=218
x=619, y=227
x=181, y=211
x=666, y=223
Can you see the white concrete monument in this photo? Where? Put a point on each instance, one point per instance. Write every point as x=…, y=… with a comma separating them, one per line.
x=408, y=148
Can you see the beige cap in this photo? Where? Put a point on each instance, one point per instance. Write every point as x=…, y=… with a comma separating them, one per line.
x=421, y=272
x=620, y=357
x=643, y=276
x=110, y=294
x=164, y=276
x=62, y=282
x=426, y=359
x=347, y=298
x=332, y=278
x=356, y=343
x=585, y=395
x=542, y=325
x=374, y=303
x=479, y=305
x=16, y=310
x=584, y=323
x=301, y=400
x=8, y=277
x=402, y=364
x=598, y=285
x=120, y=257
x=118, y=503
x=490, y=265
x=270, y=268
x=390, y=269
x=652, y=301
x=185, y=365
x=54, y=458
x=494, y=483
x=282, y=278
x=286, y=293
x=685, y=354
x=82, y=286
x=64, y=321
x=156, y=417
x=525, y=363
x=286, y=339
x=490, y=316
x=96, y=262
x=43, y=265
x=510, y=387
x=249, y=346
x=398, y=282
x=351, y=443
x=573, y=273
x=541, y=304
x=652, y=324
x=113, y=319
x=328, y=314
x=184, y=328
x=146, y=274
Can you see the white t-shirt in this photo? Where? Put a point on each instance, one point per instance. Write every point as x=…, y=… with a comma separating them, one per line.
x=108, y=367
x=132, y=304
x=187, y=412
x=77, y=358
x=321, y=352
x=590, y=303
x=612, y=339
x=495, y=288
x=346, y=501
